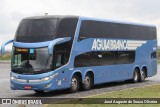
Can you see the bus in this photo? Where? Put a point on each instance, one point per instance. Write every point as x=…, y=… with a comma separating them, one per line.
x=73, y=52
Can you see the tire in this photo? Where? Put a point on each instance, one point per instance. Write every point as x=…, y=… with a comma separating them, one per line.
x=142, y=76
x=38, y=92
x=87, y=82
x=135, y=76
x=74, y=84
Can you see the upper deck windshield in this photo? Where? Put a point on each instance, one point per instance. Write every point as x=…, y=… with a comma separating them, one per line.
x=36, y=30
x=30, y=61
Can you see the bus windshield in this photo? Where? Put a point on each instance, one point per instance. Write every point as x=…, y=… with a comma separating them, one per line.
x=30, y=61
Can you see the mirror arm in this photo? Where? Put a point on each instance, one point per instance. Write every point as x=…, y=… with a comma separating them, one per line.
x=3, y=46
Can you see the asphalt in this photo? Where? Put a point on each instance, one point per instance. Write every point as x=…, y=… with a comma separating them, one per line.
x=6, y=92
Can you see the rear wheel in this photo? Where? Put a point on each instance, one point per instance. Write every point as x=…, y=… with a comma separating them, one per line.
x=87, y=82
x=143, y=75
x=136, y=76
x=74, y=84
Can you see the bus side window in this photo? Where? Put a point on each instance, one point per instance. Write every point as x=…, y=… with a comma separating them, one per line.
x=125, y=57
x=154, y=55
x=58, y=60
x=61, y=58
x=108, y=58
x=83, y=60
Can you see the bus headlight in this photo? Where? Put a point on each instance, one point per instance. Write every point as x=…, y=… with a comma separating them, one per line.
x=54, y=75
x=45, y=79
x=13, y=78
x=49, y=77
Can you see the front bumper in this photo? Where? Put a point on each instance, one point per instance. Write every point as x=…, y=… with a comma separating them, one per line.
x=43, y=82
x=45, y=86
x=34, y=82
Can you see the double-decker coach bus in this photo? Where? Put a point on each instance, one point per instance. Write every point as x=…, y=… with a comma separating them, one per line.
x=60, y=52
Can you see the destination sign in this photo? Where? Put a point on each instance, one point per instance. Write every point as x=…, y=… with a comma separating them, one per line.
x=21, y=50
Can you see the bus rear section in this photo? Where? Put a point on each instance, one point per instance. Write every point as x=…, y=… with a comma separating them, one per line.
x=117, y=51
x=59, y=52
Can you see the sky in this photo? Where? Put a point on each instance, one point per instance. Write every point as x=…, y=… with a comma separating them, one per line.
x=139, y=11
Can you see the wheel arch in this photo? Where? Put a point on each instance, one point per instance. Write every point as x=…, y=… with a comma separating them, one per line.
x=136, y=67
x=78, y=73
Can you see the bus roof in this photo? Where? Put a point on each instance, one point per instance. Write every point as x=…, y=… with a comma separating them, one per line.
x=65, y=25
x=116, y=21
x=89, y=18
x=51, y=16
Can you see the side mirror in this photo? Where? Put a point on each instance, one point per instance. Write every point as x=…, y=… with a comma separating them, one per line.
x=57, y=41
x=4, y=44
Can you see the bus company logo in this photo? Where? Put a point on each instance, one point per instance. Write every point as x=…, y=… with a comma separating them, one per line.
x=111, y=44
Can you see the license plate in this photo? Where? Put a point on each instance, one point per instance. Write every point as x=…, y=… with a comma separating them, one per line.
x=27, y=87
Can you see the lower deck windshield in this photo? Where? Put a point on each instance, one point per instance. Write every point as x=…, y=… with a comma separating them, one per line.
x=30, y=61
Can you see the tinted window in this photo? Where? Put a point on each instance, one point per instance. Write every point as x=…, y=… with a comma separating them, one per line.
x=123, y=57
x=154, y=55
x=36, y=30
x=39, y=30
x=67, y=27
x=61, y=58
x=97, y=29
x=61, y=54
x=30, y=61
x=104, y=58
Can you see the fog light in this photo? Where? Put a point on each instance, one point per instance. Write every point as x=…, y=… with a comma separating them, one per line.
x=47, y=85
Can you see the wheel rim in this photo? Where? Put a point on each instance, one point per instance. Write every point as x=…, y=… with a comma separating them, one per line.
x=135, y=76
x=87, y=81
x=74, y=83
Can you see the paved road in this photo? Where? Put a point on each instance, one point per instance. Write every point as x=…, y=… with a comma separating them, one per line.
x=6, y=92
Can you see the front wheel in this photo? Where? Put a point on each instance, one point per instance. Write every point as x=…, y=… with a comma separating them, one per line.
x=74, y=84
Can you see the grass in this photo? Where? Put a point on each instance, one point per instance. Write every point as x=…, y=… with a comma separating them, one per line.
x=5, y=57
x=145, y=92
